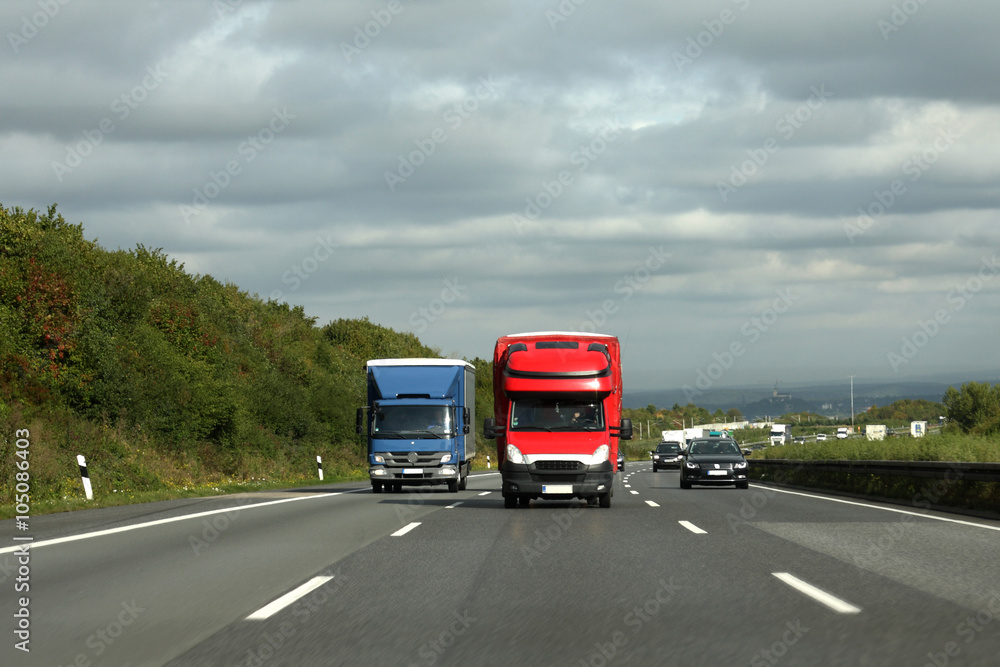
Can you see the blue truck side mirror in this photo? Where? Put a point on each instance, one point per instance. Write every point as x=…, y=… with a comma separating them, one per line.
x=466, y=420
x=359, y=421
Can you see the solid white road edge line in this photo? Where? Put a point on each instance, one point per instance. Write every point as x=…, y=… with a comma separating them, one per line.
x=817, y=594
x=875, y=507
x=159, y=522
x=693, y=528
x=405, y=529
x=288, y=598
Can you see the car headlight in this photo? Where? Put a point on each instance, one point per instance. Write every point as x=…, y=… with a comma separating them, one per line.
x=656, y=457
x=379, y=458
x=690, y=466
x=446, y=458
x=600, y=455
x=741, y=465
x=514, y=454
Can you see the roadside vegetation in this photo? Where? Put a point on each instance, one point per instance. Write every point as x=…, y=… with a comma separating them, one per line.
x=170, y=384
x=971, y=435
x=949, y=446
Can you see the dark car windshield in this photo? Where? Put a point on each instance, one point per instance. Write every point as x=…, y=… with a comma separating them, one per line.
x=723, y=447
x=668, y=448
x=546, y=414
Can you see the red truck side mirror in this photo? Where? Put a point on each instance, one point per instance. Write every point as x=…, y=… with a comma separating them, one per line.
x=625, y=432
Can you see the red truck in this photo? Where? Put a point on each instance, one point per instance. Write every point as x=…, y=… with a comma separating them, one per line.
x=557, y=402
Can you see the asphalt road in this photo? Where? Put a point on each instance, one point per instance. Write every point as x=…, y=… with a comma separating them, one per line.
x=707, y=576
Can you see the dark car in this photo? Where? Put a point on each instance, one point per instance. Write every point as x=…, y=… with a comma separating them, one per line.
x=667, y=455
x=621, y=459
x=713, y=461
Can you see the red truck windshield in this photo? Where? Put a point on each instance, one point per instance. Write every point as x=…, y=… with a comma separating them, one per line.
x=547, y=414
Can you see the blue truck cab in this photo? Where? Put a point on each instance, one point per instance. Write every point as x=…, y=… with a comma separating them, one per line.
x=418, y=422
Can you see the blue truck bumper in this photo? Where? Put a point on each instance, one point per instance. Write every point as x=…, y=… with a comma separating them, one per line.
x=415, y=476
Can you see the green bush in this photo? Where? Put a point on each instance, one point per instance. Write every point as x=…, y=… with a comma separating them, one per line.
x=168, y=379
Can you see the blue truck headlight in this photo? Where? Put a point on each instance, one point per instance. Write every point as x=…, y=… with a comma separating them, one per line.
x=379, y=459
x=446, y=458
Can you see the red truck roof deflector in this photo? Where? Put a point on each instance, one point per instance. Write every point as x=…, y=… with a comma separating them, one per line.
x=557, y=366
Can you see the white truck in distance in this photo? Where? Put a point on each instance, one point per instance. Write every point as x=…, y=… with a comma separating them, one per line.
x=875, y=431
x=842, y=432
x=673, y=436
x=781, y=434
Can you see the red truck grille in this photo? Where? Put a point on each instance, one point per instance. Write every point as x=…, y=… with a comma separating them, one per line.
x=558, y=465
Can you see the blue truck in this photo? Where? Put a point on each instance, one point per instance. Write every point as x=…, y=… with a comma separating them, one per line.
x=418, y=422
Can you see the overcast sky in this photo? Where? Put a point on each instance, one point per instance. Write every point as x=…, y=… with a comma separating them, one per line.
x=743, y=191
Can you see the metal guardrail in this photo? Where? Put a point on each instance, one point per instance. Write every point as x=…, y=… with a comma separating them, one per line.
x=955, y=471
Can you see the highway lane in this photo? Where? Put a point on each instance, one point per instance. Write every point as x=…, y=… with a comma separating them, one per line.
x=555, y=583
x=142, y=596
x=562, y=584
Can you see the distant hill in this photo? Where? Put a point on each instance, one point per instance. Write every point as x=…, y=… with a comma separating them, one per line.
x=830, y=399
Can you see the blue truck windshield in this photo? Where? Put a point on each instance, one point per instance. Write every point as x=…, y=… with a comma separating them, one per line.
x=414, y=421
x=546, y=414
